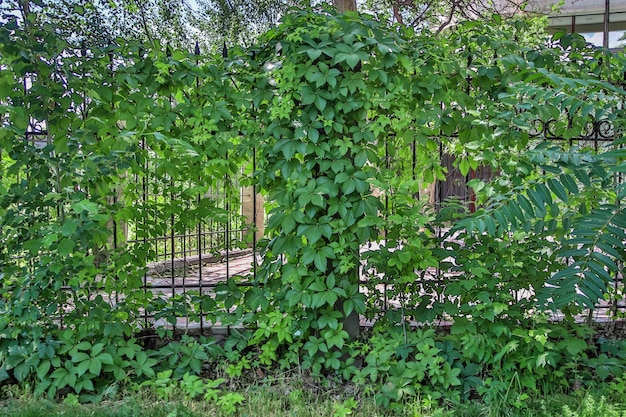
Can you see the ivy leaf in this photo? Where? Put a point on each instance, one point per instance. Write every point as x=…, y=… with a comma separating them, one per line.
x=320, y=262
x=69, y=227
x=313, y=134
x=66, y=247
x=308, y=96
x=288, y=149
x=95, y=366
x=308, y=256
x=464, y=166
x=256, y=298
x=85, y=205
x=320, y=103
x=313, y=53
x=288, y=223
x=360, y=159
x=313, y=234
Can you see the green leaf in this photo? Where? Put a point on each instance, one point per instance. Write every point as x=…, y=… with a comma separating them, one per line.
x=525, y=204
x=66, y=247
x=106, y=358
x=105, y=93
x=502, y=222
x=82, y=368
x=308, y=96
x=288, y=149
x=288, y=223
x=537, y=200
x=348, y=307
x=330, y=281
x=21, y=371
x=313, y=134
x=85, y=205
x=464, y=166
x=360, y=159
x=43, y=368
x=576, y=346
x=256, y=298
x=320, y=262
x=352, y=59
x=318, y=200
x=558, y=189
x=308, y=256
x=545, y=193
x=80, y=357
x=313, y=53
x=49, y=239
x=95, y=365
x=603, y=259
x=313, y=234
x=320, y=103
x=69, y=227
x=583, y=177
x=326, y=230
x=569, y=183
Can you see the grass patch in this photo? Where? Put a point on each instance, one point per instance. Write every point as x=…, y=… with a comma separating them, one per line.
x=282, y=400
x=297, y=400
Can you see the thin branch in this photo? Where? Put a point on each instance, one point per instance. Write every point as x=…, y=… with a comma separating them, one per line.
x=142, y=13
x=396, y=14
x=24, y=9
x=421, y=16
x=449, y=19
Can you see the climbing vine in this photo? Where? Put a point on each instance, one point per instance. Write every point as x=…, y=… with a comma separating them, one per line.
x=344, y=122
x=329, y=88
x=84, y=131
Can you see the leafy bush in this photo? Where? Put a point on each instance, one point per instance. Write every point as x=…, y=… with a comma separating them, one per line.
x=346, y=121
x=592, y=408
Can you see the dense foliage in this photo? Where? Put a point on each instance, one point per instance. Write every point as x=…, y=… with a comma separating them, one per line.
x=345, y=122
x=83, y=131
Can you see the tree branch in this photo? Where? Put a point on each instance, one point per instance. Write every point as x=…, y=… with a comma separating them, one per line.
x=144, y=22
x=421, y=15
x=449, y=19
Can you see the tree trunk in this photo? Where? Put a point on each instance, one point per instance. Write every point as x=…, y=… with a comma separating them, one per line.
x=345, y=5
x=351, y=323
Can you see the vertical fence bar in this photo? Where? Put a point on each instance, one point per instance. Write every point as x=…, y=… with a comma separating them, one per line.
x=144, y=220
x=227, y=196
x=172, y=255
x=617, y=280
x=117, y=298
x=199, y=243
x=387, y=166
x=254, y=218
x=184, y=277
x=228, y=217
x=196, y=52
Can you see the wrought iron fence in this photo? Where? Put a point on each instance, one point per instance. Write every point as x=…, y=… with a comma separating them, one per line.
x=455, y=192
x=188, y=256
x=200, y=258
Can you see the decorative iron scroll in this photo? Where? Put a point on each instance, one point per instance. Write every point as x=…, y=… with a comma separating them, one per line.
x=598, y=130
x=37, y=134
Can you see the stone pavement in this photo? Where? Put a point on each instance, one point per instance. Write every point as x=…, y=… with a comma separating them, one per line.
x=193, y=273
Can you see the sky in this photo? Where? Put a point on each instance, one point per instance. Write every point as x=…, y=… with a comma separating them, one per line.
x=597, y=38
